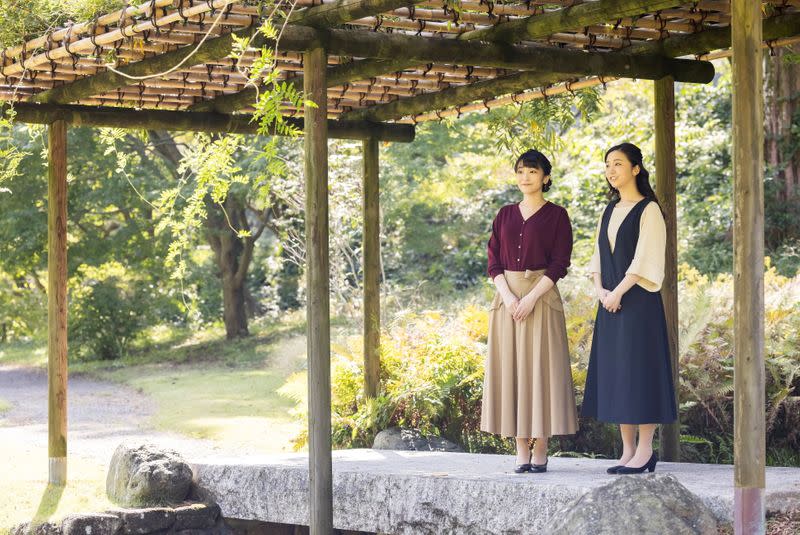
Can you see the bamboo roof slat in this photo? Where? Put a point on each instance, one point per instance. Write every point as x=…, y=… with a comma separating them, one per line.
x=150, y=29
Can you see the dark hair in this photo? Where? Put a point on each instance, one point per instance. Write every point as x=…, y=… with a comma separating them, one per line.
x=536, y=160
x=634, y=155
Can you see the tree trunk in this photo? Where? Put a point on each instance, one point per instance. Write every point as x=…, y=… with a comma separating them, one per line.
x=232, y=255
x=234, y=311
x=781, y=145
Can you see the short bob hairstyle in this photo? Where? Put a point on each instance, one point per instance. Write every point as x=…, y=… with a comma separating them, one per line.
x=535, y=160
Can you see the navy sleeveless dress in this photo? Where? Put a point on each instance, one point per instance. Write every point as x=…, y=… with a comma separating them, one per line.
x=629, y=380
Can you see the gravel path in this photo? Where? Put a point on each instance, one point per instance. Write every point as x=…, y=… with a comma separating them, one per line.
x=100, y=416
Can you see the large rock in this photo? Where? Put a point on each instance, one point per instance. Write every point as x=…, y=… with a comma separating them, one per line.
x=218, y=528
x=655, y=504
x=91, y=524
x=396, y=438
x=142, y=521
x=195, y=516
x=145, y=476
x=32, y=528
x=437, y=493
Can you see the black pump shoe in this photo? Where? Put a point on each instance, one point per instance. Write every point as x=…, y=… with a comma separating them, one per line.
x=650, y=466
x=526, y=467
x=614, y=469
x=539, y=468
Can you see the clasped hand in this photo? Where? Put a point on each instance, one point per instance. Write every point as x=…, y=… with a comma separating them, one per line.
x=610, y=300
x=519, y=308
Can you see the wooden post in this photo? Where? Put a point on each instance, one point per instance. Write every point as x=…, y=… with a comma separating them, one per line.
x=665, y=189
x=57, y=301
x=749, y=443
x=372, y=270
x=318, y=295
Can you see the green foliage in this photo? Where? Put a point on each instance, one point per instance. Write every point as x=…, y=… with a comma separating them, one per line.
x=707, y=353
x=439, y=196
x=705, y=178
x=20, y=21
x=10, y=153
x=108, y=308
x=541, y=123
x=432, y=371
x=209, y=162
x=24, y=311
x=431, y=375
x=210, y=168
x=274, y=95
x=108, y=220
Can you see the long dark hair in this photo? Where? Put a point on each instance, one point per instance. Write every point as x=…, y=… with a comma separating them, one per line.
x=634, y=155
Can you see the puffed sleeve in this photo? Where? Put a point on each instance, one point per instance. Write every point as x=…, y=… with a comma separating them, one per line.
x=562, y=249
x=495, y=266
x=649, y=258
x=594, y=263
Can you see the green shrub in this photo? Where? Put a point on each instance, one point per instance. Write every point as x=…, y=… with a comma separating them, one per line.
x=707, y=361
x=23, y=314
x=432, y=374
x=431, y=379
x=108, y=309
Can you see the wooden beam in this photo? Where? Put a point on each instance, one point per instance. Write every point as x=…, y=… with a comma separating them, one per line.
x=715, y=39
x=372, y=268
x=419, y=50
x=664, y=115
x=455, y=96
x=749, y=442
x=568, y=18
x=57, y=301
x=541, y=58
x=191, y=121
x=344, y=11
x=536, y=27
x=570, y=63
x=332, y=14
x=318, y=296
x=774, y=28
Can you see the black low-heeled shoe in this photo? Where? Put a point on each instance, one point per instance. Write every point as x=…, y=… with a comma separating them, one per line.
x=525, y=467
x=539, y=468
x=614, y=469
x=650, y=466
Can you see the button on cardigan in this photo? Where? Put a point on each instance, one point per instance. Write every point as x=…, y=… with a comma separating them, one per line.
x=543, y=241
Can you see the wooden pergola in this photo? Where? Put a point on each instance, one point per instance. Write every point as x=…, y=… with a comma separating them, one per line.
x=375, y=68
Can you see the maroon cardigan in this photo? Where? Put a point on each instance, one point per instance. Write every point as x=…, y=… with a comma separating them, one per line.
x=543, y=241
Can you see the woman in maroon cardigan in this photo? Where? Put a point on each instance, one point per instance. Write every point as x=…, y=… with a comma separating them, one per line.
x=527, y=388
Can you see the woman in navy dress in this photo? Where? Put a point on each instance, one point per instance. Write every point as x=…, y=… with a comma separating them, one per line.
x=527, y=387
x=629, y=381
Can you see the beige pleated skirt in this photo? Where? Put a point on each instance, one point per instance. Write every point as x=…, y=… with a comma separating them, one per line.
x=527, y=385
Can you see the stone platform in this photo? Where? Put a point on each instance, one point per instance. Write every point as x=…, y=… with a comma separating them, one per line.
x=403, y=492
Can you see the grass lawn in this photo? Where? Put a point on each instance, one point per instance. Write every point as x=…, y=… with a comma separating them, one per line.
x=230, y=403
x=25, y=494
x=203, y=385
x=24, y=354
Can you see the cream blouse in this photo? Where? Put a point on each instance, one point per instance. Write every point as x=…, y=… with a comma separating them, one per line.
x=649, y=258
